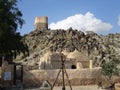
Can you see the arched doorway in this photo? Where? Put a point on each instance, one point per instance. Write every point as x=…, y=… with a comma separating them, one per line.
x=73, y=66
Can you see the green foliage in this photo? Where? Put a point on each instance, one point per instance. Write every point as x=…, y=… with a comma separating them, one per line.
x=10, y=20
x=10, y=16
x=110, y=68
x=111, y=63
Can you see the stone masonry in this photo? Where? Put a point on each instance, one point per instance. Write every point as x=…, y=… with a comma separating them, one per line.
x=41, y=23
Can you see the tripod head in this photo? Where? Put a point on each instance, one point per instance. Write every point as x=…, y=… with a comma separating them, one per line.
x=62, y=57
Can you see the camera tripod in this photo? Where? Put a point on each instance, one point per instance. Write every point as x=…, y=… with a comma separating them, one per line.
x=63, y=70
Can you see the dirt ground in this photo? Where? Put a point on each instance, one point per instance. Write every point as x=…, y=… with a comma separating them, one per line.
x=89, y=87
x=79, y=88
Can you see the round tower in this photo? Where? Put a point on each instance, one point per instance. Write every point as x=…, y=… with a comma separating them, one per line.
x=41, y=23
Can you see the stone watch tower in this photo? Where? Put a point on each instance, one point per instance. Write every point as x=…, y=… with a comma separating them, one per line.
x=41, y=23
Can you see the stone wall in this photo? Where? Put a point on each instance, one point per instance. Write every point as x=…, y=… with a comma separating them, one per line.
x=35, y=78
x=7, y=74
x=85, y=64
x=41, y=23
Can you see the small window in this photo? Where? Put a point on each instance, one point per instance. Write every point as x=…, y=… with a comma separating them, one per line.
x=73, y=67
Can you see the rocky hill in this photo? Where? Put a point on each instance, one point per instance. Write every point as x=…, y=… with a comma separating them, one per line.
x=94, y=46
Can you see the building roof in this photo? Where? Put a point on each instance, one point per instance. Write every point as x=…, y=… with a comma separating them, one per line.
x=65, y=52
x=77, y=55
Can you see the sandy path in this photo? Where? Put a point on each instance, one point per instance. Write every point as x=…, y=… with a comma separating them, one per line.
x=90, y=87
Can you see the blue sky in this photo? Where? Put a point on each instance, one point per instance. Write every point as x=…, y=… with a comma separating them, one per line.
x=100, y=16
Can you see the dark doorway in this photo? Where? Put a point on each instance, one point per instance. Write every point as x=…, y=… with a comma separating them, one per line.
x=0, y=61
x=73, y=67
x=18, y=74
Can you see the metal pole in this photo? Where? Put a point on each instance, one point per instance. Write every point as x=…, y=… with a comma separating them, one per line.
x=63, y=88
x=56, y=78
x=68, y=79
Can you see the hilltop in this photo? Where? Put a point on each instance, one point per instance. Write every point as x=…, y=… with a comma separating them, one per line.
x=95, y=47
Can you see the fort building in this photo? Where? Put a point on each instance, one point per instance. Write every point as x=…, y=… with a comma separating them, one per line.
x=41, y=23
x=73, y=60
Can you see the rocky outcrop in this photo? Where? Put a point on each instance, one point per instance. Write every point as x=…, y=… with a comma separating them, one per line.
x=93, y=46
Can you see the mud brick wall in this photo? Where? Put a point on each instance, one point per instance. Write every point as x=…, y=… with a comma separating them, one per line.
x=35, y=78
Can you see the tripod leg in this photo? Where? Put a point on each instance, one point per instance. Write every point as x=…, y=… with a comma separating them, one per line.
x=68, y=79
x=56, y=79
x=63, y=88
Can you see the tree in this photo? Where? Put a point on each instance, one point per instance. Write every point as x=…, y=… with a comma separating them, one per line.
x=10, y=19
x=110, y=68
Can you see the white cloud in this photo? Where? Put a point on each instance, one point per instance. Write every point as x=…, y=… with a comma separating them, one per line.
x=87, y=22
x=119, y=20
